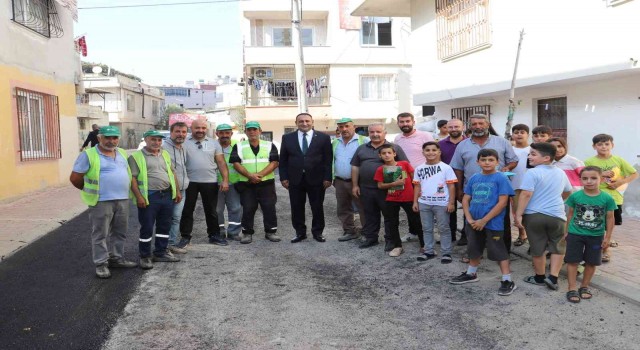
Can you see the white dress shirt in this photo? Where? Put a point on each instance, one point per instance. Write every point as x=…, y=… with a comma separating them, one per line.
x=309, y=137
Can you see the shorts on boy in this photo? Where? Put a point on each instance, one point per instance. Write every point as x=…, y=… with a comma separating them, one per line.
x=492, y=240
x=545, y=233
x=584, y=248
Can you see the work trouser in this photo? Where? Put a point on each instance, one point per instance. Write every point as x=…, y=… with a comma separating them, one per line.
x=158, y=212
x=345, y=206
x=209, y=193
x=230, y=200
x=252, y=195
x=109, y=222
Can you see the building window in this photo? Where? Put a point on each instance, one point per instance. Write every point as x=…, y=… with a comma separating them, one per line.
x=40, y=16
x=38, y=125
x=462, y=26
x=131, y=103
x=155, y=108
x=377, y=87
x=463, y=113
x=376, y=31
x=282, y=36
x=552, y=112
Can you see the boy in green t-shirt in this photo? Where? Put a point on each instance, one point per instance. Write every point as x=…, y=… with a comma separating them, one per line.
x=588, y=231
x=617, y=173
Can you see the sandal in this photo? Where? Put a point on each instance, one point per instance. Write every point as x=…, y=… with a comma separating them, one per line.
x=465, y=260
x=573, y=296
x=613, y=244
x=606, y=257
x=520, y=241
x=532, y=280
x=585, y=293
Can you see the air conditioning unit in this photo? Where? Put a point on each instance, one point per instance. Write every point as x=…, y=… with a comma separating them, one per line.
x=262, y=73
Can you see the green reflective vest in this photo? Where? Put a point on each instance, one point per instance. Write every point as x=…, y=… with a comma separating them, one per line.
x=252, y=162
x=142, y=177
x=334, y=146
x=90, y=191
x=233, y=174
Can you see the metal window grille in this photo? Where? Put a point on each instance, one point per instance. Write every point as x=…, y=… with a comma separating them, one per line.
x=463, y=113
x=462, y=26
x=38, y=125
x=40, y=16
x=552, y=112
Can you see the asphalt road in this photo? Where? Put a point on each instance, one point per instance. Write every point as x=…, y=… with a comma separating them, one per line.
x=309, y=295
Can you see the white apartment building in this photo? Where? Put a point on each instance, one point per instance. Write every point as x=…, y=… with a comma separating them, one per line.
x=201, y=98
x=578, y=70
x=355, y=67
x=133, y=106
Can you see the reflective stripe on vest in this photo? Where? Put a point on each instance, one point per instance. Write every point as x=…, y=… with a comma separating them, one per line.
x=233, y=174
x=252, y=162
x=142, y=177
x=334, y=146
x=90, y=193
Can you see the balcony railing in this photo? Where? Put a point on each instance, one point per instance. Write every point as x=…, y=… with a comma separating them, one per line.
x=463, y=26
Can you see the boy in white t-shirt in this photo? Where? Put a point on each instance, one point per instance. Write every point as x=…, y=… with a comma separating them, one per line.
x=434, y=197
x=520, y=134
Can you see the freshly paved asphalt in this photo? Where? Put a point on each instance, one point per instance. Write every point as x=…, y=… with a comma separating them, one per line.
x=50, y=297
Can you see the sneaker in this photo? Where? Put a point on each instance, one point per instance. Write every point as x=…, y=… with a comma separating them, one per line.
x=426, y=256
x=102, y=271
x=409, y=237
x=184, y=242
x=507, y=287
x=273, y=237
x=464, y=278
x=246, y=238
x=235, y=238
x=122, y=262
x=177, y=250
x=462, y=241
x=395, y=252
x=218, y=240
x=167, y=257
x=146, y=263
x=348, y=237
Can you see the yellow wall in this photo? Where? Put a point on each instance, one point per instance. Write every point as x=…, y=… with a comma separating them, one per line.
x=23, y=177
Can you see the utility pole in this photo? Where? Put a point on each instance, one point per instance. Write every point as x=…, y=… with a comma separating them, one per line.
x=296, y=41
x=512, y=104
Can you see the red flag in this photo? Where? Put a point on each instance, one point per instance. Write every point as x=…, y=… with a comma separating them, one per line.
x=82, y=45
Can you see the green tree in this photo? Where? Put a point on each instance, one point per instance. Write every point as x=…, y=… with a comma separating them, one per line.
x=163, y=123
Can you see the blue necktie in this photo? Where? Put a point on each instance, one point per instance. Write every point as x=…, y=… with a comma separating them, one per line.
x=305, y=144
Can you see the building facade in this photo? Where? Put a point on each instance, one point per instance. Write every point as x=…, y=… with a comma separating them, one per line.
x=39, y=69
x=202, y=98
x=578, y=69
x=355, y=67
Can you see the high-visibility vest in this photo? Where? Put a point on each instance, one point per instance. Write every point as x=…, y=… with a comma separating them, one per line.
x=334, y=146
x=233, y=174
x=91, y=191
x=142, y=177
x=252, y=162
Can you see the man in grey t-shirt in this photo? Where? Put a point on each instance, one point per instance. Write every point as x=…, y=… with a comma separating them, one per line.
x=204, y=156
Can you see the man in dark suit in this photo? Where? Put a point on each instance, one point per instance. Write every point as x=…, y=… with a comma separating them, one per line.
x=305, y=170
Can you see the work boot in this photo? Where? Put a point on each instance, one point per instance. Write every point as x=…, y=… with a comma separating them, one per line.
x=348, y=237
x=177, y=250
x=273, y=237
x=234, y=237
x=146, y=263
x=121, y=262
x=102, y=271
x=167, y=257
x=184, y=242
x=246, y=239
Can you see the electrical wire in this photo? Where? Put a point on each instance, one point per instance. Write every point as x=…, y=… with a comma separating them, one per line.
x=156, y=5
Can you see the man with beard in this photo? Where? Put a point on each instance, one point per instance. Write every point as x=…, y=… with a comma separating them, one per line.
x=411, y=141
x=364, y=164
x=448, y=147
x=344, y=148
x=103, y=175
x=205, y=156
x=231, y=198
x=465, y=165
x=178, y=155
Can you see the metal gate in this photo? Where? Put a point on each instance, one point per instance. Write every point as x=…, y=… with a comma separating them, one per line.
x=463, y=113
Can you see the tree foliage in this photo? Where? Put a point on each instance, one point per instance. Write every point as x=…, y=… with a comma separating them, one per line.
x=163, y=123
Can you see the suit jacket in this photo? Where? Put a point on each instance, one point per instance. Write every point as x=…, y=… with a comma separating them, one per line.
x=315, y=165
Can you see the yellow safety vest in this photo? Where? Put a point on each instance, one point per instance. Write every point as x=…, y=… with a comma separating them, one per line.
x=252, y=162
x=142, y=177
x=91, y=190
x=233, y=174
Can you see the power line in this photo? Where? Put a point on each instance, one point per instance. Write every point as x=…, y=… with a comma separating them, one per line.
x=155, y=5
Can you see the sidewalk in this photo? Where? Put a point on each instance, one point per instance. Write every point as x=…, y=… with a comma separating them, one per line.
x=27, y=218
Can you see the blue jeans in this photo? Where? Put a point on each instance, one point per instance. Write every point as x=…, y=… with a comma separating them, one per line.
x=231, y=200
x=158, y=212
x=427, y=213
x=175, y=220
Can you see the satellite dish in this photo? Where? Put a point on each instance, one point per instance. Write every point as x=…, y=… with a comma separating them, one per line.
x=97, y=69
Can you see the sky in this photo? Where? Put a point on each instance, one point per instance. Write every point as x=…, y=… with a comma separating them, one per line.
x=163, y=45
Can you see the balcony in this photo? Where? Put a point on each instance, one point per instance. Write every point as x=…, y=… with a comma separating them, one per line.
x=382, y=8
x=275, y=86
x=281, y=9
x=256, y=55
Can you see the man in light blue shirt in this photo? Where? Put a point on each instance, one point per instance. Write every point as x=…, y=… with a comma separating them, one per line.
x=344, y=148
